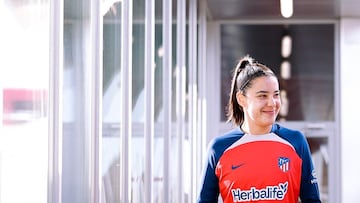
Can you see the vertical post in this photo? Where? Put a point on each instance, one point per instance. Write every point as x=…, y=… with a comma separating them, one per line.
x=180, y=89
x=55, y=101
x=335, y=139
x=126, y=105
x=202, y=140
x=96, y=28
x=149, y=96
x=193, y=95
x=1, y=113
x=167, y=93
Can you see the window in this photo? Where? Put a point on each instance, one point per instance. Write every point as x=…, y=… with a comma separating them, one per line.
x=310, y=84
x=308, y=80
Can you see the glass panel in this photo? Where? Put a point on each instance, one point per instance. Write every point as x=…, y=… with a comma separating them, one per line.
x=76, y=142
x=24, y=83
x=319, y=149
x=138, y=102
x=159, y=117
x=310, y=79
x=111, y=103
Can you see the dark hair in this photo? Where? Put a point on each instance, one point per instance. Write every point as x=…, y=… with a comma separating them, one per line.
x=244, y=73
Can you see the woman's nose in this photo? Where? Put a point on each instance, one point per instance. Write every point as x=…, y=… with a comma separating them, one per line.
x=272, y=101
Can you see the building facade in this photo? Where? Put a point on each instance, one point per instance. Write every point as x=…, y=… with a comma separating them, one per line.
x=116, y=101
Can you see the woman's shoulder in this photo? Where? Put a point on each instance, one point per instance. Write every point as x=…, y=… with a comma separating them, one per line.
x=226, y=139
x=287, y=132
x=295, y=137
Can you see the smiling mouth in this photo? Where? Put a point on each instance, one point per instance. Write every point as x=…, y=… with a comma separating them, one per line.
x=272, y=112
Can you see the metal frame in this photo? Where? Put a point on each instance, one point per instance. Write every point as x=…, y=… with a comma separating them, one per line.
x=180, y=91
x=202, y=79
x=193, y=95
x=126, y=94
x=149, y=97
x=55, y=101
x=167, y=92
x=96, y=78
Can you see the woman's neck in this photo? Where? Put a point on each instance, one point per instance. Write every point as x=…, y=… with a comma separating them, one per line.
x=255, y=130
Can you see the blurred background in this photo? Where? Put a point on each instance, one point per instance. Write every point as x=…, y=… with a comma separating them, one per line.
x=117, y=100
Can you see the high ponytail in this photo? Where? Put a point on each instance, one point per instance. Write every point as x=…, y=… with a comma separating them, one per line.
x=244, y=73
x=235, y=112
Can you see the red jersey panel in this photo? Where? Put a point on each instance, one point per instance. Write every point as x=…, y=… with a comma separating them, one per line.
x=275, y=167
x=259, y=168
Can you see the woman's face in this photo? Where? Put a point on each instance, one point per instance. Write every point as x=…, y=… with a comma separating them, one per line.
x=261, y=103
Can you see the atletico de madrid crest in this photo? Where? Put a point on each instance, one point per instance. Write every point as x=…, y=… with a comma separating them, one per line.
x=284, y=164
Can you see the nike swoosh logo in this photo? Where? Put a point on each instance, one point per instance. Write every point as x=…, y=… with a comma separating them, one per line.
x=233, y=167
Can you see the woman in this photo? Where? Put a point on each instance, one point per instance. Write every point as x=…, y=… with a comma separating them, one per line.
x=259, y=161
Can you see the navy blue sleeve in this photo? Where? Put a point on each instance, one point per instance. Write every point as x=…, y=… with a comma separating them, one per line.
x=209, y=188
x=309, y=189
x=209, y=184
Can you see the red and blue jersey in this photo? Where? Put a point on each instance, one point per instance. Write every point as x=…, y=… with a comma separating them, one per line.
x=274, y=167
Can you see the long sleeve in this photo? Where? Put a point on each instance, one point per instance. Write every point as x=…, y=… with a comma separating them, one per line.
x=309, y=189
x=209, y=189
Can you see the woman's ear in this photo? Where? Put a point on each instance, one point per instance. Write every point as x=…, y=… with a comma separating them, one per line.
x=240, y=98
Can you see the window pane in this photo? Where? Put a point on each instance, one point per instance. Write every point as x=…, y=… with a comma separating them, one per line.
x=76, y=103
x=310, y=86
x=111, y=104
x=23, y=88
x=158, y=160
x=320, y=154
x=138, y=102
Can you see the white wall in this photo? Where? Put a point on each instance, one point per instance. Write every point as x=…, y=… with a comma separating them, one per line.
x=350, y=109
